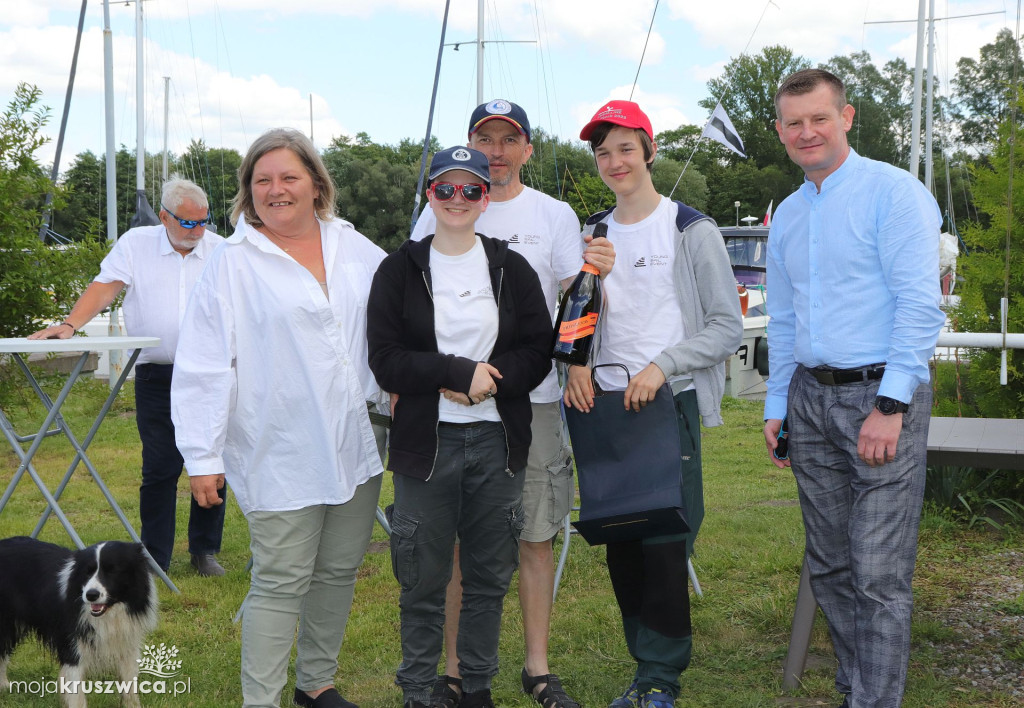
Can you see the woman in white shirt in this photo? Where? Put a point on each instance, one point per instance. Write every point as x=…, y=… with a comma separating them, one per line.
x=270, y=391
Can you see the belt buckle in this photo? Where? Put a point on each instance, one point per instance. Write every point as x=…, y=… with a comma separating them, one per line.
x=825, y=377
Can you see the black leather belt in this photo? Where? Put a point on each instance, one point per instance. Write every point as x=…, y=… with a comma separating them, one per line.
x=837, y=377
x=474, y=424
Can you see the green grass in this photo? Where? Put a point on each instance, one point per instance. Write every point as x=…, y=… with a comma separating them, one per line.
x=748, y=562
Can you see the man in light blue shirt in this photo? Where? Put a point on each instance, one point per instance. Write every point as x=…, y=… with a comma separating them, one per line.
x=853, y=261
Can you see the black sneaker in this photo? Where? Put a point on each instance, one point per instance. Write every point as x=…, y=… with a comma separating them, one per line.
x=328, y=699
x=443, y=695
x=477, y=699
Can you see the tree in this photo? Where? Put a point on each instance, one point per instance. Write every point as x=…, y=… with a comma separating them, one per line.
x=747, y=89
x=556, y=164
x=692, y=188
x=84, y=210
x=376, y=185
x=86, y=182
x=725, y=182
x=685, y=144
x=984, y=88
x=216, y=171
x=987, y=274
x=38, y=282
x=881, y=106
x=587, y=194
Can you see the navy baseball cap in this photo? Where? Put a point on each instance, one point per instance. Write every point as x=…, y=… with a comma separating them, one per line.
x=460, y=158
x=504, y=110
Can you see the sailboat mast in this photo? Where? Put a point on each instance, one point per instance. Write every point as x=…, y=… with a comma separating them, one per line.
x=140, y=136
x=430, y=119
x=167, y=90
x=479, y=52
x=930, y=103
x=55, y=170
x=915, y=121
x=108, y=105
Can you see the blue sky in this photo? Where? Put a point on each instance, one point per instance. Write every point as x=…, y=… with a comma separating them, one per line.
x=238, y=67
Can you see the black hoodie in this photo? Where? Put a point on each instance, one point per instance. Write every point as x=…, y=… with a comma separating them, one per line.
x=404, y=359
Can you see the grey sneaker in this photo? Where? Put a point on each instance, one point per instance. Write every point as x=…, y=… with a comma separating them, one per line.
x=206, y=565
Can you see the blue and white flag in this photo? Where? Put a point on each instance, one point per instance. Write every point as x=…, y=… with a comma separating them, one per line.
x=720, y=129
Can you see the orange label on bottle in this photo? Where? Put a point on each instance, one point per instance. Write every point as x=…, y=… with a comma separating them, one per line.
x=577, y=329
x=588, y=268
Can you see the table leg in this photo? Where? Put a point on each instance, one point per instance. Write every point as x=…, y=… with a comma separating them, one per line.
x=82, y=457
x=53, y=411
x=800, y=638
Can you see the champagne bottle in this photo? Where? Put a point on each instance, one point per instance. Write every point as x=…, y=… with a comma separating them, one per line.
x=578, y=314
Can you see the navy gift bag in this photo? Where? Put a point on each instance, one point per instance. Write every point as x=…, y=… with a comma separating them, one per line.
x=629, y=467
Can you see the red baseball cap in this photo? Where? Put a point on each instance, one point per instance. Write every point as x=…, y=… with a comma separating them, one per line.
x=624, y=113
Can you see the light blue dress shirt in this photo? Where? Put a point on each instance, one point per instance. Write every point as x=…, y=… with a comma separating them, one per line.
x=853, y=279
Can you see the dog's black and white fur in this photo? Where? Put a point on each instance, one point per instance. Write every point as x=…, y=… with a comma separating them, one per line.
x=93, y=608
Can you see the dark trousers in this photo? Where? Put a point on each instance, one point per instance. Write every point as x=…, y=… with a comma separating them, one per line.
x=470, y=495
x=161, y=468
x=649, y=576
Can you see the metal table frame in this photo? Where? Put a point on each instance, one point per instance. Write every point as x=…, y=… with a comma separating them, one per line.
x=85, y=345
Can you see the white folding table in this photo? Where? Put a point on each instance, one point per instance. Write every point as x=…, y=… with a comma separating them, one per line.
x=86, y=345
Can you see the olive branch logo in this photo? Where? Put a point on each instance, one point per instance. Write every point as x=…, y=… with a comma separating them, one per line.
x=159, y=660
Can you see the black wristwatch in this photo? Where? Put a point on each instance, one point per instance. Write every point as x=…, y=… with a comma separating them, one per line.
x=890, y=406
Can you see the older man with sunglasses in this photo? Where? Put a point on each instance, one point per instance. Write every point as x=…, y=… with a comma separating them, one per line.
x=157, y=266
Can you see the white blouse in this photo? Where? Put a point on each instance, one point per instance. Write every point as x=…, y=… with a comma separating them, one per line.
x=270, y=376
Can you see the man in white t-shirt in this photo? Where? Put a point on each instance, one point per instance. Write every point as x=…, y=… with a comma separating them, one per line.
x=547, y=233
x=157, y=266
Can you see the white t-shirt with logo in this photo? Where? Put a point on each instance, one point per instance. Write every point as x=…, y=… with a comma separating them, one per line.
x=641, y=317
x=543, y=230
x=465, y=320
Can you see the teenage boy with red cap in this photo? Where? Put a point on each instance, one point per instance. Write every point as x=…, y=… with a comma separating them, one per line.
x=672, y=317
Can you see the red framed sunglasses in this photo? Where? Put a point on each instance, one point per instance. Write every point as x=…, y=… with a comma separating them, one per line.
x=445, y=191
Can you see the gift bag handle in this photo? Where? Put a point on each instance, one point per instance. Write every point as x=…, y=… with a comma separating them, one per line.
x=598, y=391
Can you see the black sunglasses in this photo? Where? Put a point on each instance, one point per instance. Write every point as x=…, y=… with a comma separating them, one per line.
x=781, y=450
x=189, y=223
x=445, y=191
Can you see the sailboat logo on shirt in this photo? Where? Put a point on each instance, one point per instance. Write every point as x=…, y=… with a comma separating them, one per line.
x=655, y=260
x=524, y=240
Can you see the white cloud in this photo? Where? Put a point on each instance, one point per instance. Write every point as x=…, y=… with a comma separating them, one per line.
x=663, y=109
x=226, y=93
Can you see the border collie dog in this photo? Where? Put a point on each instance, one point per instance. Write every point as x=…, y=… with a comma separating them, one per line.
x=92, y=608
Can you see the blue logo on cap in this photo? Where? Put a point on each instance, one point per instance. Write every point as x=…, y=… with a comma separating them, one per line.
x=499, y=107
x=462, y=155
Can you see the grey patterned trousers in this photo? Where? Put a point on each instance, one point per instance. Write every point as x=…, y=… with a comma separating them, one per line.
x=861, y=526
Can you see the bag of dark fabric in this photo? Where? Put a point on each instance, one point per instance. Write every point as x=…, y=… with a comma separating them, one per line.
x=629, y=467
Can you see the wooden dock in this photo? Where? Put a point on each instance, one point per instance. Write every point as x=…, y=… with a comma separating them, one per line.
x=989, y=443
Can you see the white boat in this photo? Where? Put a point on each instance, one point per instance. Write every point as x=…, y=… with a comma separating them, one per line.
x=748, y=253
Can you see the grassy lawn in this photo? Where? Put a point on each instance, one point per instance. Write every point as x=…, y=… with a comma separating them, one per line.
x=748, y=563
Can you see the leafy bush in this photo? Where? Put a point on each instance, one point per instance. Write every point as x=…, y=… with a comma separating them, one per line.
x=974, y=496
x=37, y=282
